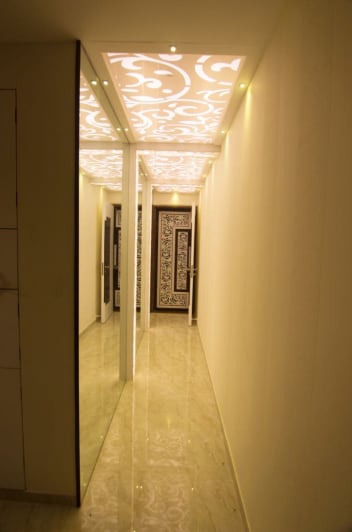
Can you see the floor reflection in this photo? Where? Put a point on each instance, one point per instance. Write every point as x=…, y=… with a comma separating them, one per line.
x=100, y=388
x=164, y=465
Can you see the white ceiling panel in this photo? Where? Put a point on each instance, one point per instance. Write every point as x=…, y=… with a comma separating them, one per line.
x=174, y=97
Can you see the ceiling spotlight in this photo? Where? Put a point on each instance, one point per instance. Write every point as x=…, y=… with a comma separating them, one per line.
x=173, y=48
x=118, y=129
x=94, y=82
x=125, y=128
x=223, y=132
x=105, y=82
x=243, y=85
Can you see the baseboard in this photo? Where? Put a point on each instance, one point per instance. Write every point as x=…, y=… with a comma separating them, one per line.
x=235, y=477
x=86, y=327
x=46, y=498
x=242, y=509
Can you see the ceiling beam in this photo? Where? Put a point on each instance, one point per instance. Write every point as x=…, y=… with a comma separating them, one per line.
x=101, y=145
x=178, y=147
x=151, y=146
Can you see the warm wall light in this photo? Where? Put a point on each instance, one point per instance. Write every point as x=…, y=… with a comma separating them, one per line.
x=175, y=198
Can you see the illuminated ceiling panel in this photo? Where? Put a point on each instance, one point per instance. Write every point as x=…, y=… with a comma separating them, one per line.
x=103, y=164
x=181, y=100
x=183, y=189
x=93, y=121
x=173, y=97
x=174, y=166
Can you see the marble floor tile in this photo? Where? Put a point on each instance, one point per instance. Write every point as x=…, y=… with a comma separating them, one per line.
x=164, y=465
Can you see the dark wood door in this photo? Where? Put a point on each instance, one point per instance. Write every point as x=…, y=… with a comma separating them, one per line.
x=172, y=230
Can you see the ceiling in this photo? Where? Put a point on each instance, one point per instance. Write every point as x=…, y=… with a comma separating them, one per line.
x=173, y=107
x=158, y=100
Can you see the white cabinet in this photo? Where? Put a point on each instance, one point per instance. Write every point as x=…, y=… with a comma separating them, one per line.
x=11, y=432
x=11, y=441
x=8, y=212
x=8, y=259
x=9, y=334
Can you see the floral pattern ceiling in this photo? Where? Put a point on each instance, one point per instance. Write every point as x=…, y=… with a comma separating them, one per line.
x=165, y=98
x=173, y=97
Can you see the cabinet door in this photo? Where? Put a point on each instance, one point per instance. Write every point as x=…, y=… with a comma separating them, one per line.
x=7, y=158
x=11, y=443
x=9, y=337
x=8, y=259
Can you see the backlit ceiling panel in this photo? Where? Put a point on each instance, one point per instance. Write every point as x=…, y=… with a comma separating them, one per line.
x=173, y=97
x=94, y=123
x=181, y=167
x=102, y=164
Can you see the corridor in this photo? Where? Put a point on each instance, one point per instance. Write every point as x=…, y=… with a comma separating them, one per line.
x=164, y=466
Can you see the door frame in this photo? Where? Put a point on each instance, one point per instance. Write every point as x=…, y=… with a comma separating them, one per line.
x=154, y=254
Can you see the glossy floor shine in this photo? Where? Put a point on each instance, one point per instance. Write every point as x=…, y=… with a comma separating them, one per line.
x=164, y=465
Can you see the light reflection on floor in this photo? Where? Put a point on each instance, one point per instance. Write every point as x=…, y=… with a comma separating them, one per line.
x=164, y=465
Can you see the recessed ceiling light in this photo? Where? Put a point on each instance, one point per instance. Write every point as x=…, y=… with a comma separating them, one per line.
x=243, y=85
x=105, y=82
x=173, y=48
x=223, y=132
x=125, y=128
x=94, y=82
x=118, y=129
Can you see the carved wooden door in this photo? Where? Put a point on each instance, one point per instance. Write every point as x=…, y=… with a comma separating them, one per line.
x=172, y=248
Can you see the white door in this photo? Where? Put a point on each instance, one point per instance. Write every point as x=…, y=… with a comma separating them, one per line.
x=192, y=269
x=107, y=262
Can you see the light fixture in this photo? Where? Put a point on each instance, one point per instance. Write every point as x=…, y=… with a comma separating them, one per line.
x=242, y=85
x=105, y=82
x=94, y=82
x=173, y=48
x=223, y=132
x=125, y=128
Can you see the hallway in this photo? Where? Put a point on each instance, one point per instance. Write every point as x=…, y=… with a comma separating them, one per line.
x=164, y=465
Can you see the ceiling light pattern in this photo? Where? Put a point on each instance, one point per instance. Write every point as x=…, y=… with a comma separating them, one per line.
x=106, y=164
x=173, y=97
x=186, y=166
x=94, y=123
x=183, y=189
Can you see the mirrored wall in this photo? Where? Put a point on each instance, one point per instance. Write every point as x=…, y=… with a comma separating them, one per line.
x=100, y=190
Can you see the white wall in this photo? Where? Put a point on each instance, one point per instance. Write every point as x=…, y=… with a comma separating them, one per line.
x=44, y=78
x=174, y=199
x=90, y=204
x=275, y=299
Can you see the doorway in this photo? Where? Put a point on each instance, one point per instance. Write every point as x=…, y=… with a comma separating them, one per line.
x=171, y=258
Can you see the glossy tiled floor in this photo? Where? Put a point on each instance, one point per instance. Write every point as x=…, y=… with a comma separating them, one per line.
x=163, y=466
